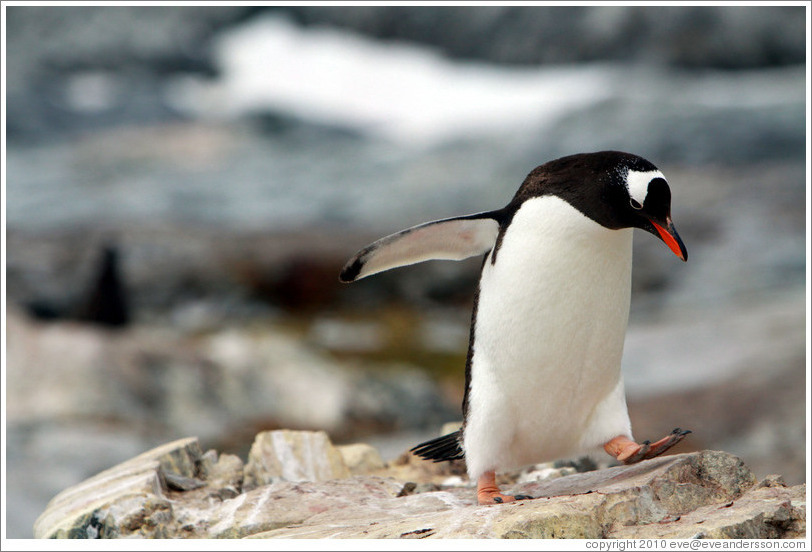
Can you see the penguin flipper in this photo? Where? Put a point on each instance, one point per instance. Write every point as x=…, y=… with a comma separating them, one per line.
x=452, y=239
x=441, y=449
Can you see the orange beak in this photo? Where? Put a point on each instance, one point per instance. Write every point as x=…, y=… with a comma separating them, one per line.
x=669, y=235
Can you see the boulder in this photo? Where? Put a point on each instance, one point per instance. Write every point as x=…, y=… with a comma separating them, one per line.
x=286, y=455
x=128, y=498
x=297, y=485
x=361, y=458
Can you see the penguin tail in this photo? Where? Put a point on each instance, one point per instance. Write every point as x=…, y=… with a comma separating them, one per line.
x=447, y=447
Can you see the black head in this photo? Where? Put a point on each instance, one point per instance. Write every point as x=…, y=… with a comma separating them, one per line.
x=615, y=189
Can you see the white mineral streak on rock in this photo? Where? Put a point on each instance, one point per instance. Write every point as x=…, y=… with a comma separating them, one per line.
x=291, y=466
x=449, y=499
x=258, y=506
x=227, y=515
x=293, y=456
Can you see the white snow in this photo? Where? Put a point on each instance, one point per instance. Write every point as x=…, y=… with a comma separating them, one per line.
x=413, y=95
x=406, y=93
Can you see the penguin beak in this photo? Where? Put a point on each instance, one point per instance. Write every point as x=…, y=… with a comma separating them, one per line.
x=669, y=235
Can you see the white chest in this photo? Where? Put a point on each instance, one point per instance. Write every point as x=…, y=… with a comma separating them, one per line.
x=551, y=320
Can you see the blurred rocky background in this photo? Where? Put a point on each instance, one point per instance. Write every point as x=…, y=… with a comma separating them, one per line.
x=183, y=185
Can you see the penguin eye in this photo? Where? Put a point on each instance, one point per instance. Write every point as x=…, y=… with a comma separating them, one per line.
x=635, y=204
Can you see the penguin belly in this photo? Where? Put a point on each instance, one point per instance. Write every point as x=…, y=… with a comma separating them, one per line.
x=548, y=337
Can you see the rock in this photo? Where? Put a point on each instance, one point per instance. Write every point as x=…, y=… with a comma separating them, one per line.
x=225, y=472
x=210, y=385
x=592, y=505
x=772, y=480
x=361, y=458
x=541, y=472
x=83, y=398
x=708, y=494
x=169, y=383
x=762, y=513
x=285, y=504
x=293, y=456
x=678, y=483
x=128, y=498
x=700, y=36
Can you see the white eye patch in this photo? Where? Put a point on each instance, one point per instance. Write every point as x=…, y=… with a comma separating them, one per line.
x=637, y=184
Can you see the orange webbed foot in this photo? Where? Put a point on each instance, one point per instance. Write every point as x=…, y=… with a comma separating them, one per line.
x=629, y=452
x=488, y=492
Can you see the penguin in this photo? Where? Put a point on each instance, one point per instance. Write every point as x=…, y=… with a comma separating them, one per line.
x=543, y=373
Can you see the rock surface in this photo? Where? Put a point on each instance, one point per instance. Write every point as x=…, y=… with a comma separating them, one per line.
x=177, y=491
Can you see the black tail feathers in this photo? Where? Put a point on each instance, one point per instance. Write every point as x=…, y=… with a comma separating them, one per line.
x=447, y=447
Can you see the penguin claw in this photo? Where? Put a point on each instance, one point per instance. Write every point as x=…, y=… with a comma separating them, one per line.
x=501, y=498
x=494, y=498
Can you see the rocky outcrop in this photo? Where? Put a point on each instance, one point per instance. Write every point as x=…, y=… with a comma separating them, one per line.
x=83, y=398
x=298, y=485
x=175, y=383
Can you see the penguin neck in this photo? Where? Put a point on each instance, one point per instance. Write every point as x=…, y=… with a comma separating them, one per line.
x=548, y=231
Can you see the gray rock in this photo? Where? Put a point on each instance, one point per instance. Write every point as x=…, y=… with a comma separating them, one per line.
x=286, y=455
x=361, y=458
x=82, y=398
x=708, y=494
x=763, y=513
x=541, y=472
x=224, y=473
x=204, y=385
x=593, y=505
x=702, y=36
x=286, y=504
x=128, y=498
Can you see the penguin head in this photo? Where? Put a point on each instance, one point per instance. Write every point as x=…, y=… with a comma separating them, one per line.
x=650, y=200
x=615, y=189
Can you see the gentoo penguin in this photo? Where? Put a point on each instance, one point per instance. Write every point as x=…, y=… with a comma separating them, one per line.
x=543, y=378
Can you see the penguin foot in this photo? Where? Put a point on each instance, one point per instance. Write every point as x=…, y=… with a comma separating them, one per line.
x=629, y=452
x=499, y=498
x=656, y=449
x=488, y=492
x=494, y=498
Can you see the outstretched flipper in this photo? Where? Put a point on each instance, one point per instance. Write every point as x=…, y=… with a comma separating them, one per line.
x=452, y=239
x=629, y=452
